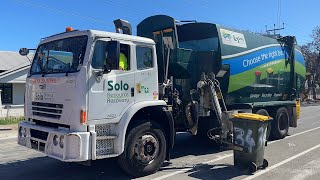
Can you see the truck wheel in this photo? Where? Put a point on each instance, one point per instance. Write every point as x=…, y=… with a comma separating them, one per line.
x=265, y=113
x=280, y=124
x=144, y=151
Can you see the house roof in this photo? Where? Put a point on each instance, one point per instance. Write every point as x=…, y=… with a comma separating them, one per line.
x=15, y=67
x=15, y=75
x=10, y=60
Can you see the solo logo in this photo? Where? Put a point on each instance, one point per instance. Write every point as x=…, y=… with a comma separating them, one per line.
x=118, y=87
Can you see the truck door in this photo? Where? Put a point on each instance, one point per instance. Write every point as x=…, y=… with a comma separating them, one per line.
x=146, y=77
x=110, y=95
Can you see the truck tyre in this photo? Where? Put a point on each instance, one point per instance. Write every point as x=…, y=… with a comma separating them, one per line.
x=265, y=113
x=280, y=124
x=145, y=149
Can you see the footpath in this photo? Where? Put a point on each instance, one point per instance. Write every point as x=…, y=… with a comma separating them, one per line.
x=8, y=131
x=310, y=103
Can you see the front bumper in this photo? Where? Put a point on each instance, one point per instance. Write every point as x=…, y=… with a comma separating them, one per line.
x=74, y=146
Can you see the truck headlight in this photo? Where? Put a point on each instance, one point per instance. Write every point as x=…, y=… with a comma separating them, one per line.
x=55, y=140
x=61, y=142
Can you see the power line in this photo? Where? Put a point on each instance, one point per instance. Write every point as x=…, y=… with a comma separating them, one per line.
x=299, y=33
x=60, y=11
x=269, y=19
x=166, y=7
x=279, y=13
x=206, y=6
x=121, y=5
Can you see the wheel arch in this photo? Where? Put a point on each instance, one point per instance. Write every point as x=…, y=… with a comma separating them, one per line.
x=156, y=110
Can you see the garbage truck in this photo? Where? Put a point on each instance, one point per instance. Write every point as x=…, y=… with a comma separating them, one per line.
x=92, y=94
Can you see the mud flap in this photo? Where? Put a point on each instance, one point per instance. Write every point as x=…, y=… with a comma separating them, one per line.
x=293, y=121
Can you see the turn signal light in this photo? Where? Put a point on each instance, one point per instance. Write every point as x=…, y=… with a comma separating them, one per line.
x=69, y=29
x=83, y=116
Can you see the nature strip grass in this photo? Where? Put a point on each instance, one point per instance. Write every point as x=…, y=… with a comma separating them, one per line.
x=11, y=120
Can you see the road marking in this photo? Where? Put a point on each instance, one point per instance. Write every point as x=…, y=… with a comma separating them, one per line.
x=228, y=155
x=281, y=163
x=291, y=136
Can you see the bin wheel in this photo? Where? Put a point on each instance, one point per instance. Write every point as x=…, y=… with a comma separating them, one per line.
x=265, y=164
x=253, y=167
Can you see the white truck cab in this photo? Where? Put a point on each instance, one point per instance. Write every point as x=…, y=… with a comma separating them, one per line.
x=80, y=106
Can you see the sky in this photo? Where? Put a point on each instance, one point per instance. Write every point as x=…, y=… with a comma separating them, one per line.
x=24, y=22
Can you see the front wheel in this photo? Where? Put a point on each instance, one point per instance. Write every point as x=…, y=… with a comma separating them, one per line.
x=145, y=149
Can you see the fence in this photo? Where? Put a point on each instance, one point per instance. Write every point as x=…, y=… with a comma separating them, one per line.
x=312, y=94
x=12, y=111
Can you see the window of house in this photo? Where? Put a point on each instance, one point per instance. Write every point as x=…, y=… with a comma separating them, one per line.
x=144, y=57
x=6, y=93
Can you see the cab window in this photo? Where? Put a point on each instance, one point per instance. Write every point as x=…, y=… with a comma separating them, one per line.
x=124, y=61
x=99, y=54
x=144, y=57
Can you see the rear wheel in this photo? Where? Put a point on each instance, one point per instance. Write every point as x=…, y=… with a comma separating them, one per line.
x=280, y=124
x=145, y=149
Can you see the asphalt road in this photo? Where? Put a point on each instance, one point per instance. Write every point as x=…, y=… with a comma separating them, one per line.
x=293, y=158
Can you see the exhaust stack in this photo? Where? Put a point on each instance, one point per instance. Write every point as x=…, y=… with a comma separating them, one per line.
x=125, y=26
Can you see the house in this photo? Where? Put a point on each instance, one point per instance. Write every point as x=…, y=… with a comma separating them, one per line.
x=13, y=72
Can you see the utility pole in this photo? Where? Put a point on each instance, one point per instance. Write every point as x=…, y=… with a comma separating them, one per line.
x=274, y=29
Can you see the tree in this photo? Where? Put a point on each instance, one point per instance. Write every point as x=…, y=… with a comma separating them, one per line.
x=310, y=57
x=311, y=52
x=316, y=39
x=316, y=45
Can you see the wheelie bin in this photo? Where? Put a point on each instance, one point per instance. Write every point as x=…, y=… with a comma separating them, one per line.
x=249, y=140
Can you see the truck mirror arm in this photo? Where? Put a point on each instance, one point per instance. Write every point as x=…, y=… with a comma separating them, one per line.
x=98, y=73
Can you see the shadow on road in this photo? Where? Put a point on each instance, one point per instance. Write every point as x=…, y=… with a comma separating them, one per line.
x=209, y=172
x=186, y=144
x=48, y=168
x=217, y=171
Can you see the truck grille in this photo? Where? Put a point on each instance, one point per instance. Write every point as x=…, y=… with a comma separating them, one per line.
x=49, y=110
x=39, y=134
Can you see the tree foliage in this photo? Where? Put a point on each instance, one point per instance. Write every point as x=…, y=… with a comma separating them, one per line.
x=311, y=52
x=316, y=39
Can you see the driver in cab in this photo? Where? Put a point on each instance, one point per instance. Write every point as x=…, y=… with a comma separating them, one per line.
x=123, y=62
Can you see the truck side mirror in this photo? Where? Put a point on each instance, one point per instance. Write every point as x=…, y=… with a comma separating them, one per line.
x=24, y=51
x=112, y=56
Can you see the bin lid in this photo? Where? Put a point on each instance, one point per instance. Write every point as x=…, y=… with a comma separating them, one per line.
x=251, y=116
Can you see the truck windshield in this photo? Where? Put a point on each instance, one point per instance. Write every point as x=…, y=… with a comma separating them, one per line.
x=60, y=56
